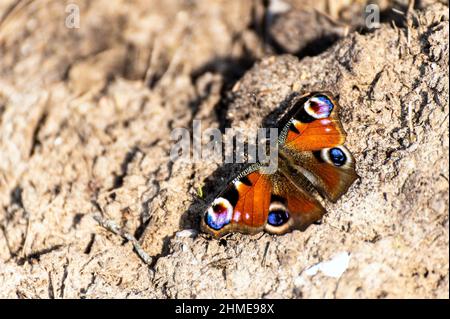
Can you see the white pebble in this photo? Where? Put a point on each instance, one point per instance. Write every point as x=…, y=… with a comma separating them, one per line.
x=332, y=268
x=187, y=233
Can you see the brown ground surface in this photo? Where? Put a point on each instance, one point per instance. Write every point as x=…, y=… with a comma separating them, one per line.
x=85, y=122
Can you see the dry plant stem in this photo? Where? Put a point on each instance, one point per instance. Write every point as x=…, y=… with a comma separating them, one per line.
x=115, y=229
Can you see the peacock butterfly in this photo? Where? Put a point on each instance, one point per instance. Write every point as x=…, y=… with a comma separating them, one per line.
x=311, y=155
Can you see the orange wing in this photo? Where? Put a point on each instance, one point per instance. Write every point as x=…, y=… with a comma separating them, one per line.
x=314, y=138
x=315, y=125
x=330, y=170
x=242, y=207
x=294, y=209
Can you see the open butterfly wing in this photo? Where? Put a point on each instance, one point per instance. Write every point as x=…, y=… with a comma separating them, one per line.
x=242, y=207
x=313, y=139
x=292, y=206
x=315, y=125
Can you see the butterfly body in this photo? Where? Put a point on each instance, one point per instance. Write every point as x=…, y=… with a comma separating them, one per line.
x=311, y=157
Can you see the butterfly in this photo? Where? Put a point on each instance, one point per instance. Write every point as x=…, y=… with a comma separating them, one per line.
x=311, y=156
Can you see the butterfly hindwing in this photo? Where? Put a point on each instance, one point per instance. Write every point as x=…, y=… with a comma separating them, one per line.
x=292, y=206
x=331, y=170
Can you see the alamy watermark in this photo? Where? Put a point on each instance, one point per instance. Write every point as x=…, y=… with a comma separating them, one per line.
x=235, y=146
x=372, y=16
x=73, y=16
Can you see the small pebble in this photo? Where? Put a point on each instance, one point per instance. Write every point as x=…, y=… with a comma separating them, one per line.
x=187, y=233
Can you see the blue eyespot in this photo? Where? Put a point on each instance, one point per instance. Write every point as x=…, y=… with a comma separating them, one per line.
x=337, y=156
x=319, y=107
x=278, y=217
x=219, y=214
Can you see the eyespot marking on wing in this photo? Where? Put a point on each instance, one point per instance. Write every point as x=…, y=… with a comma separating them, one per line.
x=219, y=214
x=319, y=107
x=337, y=156
x=279, y=219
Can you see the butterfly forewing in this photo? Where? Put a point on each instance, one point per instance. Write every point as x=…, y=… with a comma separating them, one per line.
x=242, y=207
